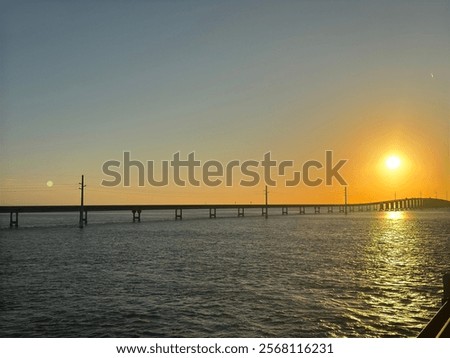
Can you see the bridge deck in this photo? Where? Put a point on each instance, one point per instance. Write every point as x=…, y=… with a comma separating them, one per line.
x=72, y=208
x=136, y=209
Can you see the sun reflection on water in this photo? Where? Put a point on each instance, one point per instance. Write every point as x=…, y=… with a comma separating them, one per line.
x=393, y=263
x=395, y=215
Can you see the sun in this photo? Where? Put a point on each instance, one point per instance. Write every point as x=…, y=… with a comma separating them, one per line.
x=49, y=183
x=393, y=162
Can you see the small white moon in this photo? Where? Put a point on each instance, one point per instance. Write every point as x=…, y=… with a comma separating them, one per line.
x=49, y=183
x=432, y=75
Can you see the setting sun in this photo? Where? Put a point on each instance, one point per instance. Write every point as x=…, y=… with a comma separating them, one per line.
x=393, y=162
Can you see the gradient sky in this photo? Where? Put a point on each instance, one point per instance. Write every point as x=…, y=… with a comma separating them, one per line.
x=83, y=81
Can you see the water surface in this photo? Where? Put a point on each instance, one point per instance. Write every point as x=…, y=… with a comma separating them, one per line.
x=361, y=275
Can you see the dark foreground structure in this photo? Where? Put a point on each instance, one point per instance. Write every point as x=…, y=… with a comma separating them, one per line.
x=439, y=326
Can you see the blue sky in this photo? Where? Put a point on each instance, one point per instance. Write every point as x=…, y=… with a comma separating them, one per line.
x=83, y=81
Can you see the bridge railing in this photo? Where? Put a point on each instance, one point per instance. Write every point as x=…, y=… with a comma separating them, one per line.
x=439, y=326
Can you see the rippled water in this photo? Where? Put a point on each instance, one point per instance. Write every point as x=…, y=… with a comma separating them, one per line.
x=364, y=275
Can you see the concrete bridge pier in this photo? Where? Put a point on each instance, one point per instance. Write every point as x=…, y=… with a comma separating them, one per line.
x=317, y=210
x=212, y=213
x=240, y=212
x=301, y=210
x=284, y=211
x=84, y=217
x=264, y=211
x=178, y=214
x=14, y=219
x=136, y=215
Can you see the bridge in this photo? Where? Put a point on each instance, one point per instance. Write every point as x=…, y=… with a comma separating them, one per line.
x=136, y=210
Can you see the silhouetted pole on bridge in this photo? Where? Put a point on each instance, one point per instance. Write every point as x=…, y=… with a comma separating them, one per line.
x=345, y=200
x=82, y=186
x=267, y=203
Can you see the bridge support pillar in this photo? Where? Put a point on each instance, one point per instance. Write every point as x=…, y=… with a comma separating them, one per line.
x=136, y=215
x=342, y=209
x=301, y=210
x=284, y=211
x=240, y=212
x=84, y=217
x=14, y=221
x=212, y=213
x=317, y=210
x=178, y=214
x=330, y=209
x=264, y=211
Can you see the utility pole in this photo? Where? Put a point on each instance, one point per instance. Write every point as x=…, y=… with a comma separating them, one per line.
x=345, y=200
x=267, y=203
x=82, y=186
